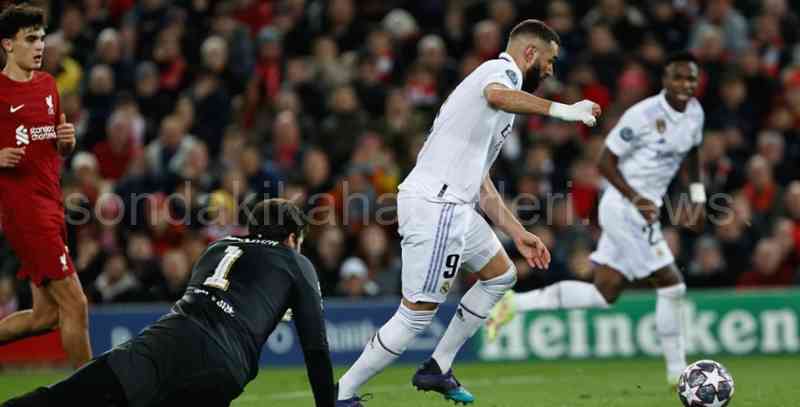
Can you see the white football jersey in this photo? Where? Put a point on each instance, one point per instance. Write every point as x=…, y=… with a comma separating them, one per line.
x=466, y=137
x=651, y=140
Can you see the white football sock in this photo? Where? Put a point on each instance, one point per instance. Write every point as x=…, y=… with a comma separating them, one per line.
x=386, y=345
x=471, y=314
x=568, y=294
x=668, y=326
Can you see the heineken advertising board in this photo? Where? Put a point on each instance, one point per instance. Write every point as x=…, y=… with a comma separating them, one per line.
x=720, y=322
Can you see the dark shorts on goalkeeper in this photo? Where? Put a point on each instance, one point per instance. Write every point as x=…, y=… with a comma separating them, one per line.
x=173, y=363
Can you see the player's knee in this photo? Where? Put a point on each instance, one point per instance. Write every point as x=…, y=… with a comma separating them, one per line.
x=676, y=291
x=502, y=283
x=76, y=309
x=415, y=320
x=610, y=292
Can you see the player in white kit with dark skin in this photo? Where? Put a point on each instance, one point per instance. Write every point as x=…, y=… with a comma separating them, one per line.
x=440, y=227
x=643, y=153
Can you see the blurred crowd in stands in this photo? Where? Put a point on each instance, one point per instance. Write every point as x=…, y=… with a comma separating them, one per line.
x=187, y=110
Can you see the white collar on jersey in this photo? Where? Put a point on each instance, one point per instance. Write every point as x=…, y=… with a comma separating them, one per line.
x=506, y=56
x=672, y=114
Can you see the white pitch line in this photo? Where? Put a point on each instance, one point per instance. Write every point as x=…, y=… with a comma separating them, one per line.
x=485, y=382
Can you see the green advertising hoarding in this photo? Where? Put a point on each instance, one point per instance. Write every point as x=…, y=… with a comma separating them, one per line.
x=718, y=322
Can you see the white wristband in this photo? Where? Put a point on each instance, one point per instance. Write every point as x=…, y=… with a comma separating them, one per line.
x=558, y=110
x=697, y=192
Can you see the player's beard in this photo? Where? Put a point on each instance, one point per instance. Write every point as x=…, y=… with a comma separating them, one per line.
x=532, y=79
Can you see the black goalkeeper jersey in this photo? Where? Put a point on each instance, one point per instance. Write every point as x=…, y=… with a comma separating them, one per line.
x=239, y=291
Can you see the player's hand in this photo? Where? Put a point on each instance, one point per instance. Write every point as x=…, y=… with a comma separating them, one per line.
x=584, y=111
x=11, y=156
x=647, y=208
x=65, y=133
x=533, y=250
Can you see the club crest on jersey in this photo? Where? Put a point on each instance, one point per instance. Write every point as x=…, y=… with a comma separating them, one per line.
x=50, y=109
x=512, y=75
x=661, y=126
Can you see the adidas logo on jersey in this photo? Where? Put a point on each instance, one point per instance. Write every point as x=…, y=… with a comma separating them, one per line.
x=25, y=136
x=22, y=136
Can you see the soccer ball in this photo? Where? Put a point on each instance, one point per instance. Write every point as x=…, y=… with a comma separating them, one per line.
x=705, y=383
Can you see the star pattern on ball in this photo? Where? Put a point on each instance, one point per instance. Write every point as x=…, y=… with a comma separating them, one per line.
x=713, y=378
x=688, y=393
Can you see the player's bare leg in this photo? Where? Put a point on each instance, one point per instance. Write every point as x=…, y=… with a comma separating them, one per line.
x=606, y=288
x=496, y=277
x=42, y=318
x=670, y=291
x=73, y=318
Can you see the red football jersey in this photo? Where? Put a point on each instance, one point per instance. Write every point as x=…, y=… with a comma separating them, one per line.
x=30, y=193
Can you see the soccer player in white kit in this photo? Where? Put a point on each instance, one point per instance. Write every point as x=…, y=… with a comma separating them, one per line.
x=643, y=153
x=440, y=227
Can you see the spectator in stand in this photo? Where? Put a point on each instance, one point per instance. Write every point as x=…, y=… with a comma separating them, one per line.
x=340, y=23
x=77, y=36
x=153, y=102
x=239, y=59
x=108, y=51
x=369, y=87
x=603, y=55
x=771, y=146
x=165, y=155
x=142, y=260
x=267, y=77
x=354, y=279
x=432, y=55
x=486, y=40
x=735, y=108
x=720, y=173
x=56, y=61
x=707, y=268
x=262, y=178
x=398, y=121
x=90, y=184
x=670, y=25
x=723, y=15
x=176, y=269
x=346, y=117
x=625, y=21
x=327, y=255
x=317, y=173
x=768, y=267
x=99, y=100
x=285, y=149
x=116, y=282
x=383, y=267
x=791, y=208
x=119, y=149
x=381, y=49
x=172, y=66
x=762, y=192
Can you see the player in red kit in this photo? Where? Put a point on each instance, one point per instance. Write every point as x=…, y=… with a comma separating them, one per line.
x=34, y=135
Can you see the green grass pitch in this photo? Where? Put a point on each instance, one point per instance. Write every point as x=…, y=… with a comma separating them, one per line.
x=760, y=381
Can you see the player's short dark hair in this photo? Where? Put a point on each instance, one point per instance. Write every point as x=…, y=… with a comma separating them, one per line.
x=681, y=56
x=536, y=28
x=18, y=17
x=276, y=219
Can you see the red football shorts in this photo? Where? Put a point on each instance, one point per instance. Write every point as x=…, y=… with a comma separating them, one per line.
x=43, y=254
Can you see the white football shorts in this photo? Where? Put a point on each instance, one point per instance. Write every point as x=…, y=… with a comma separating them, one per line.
x=628, y=244
x=438, y=238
